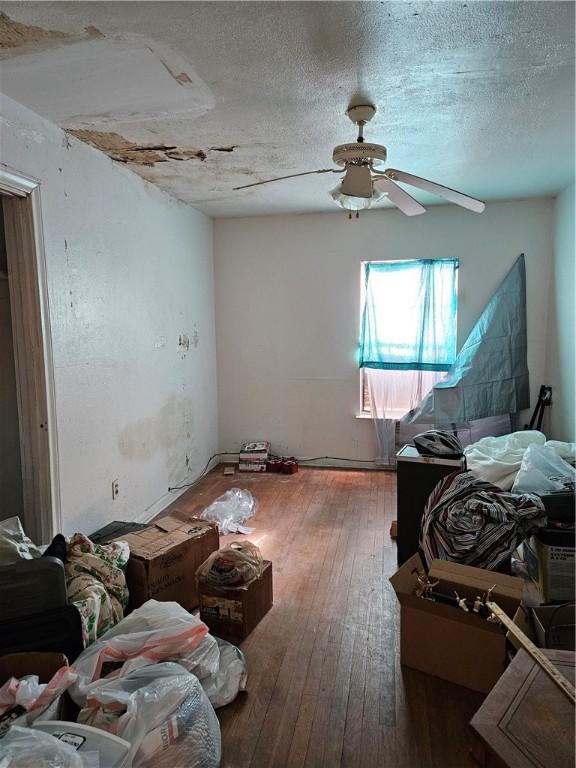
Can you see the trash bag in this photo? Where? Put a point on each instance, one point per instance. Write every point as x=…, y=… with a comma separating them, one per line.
x=543, y=471
x=32, y=696
x=223, y=686
x=28, y=748
x=155, y=708
x=153, y=633
x=235, y=565
x=14, y=544
x=231, y=511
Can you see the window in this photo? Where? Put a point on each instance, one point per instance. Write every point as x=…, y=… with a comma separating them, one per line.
x=408, y=325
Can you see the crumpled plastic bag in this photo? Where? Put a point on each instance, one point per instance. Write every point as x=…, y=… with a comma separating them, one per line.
x=155, y=708
x=155, y=632
x=220, y=667
x=231, y=511
x=235, y=565
x=28, y=748
x=14, y=544
x=543, y=471
x=566, y=451
x=223, y=686
x=33, y=696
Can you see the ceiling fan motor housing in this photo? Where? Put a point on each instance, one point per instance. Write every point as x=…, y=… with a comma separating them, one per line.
x=359, y=152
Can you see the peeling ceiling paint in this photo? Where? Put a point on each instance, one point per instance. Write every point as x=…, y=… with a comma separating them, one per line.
x=475, y=95
x=15, y=35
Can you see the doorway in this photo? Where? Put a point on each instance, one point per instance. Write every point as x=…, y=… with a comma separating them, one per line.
x=29, y=484
x=10, y=465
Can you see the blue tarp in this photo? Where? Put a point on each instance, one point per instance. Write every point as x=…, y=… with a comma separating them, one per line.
x=490, y=374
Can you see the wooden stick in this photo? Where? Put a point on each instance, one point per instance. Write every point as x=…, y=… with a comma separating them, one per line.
x=540, y=658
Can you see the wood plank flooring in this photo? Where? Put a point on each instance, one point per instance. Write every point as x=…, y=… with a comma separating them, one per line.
x=325, y=685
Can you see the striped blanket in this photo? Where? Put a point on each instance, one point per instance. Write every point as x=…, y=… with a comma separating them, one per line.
x=473, y=522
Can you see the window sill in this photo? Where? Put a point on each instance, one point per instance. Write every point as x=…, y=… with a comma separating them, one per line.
x=363, y=416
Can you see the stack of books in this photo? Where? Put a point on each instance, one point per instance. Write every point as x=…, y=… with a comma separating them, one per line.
x=253, y=456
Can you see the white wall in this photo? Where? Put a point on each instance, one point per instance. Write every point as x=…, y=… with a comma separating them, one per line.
x=287, y=310
x=129, y=272
x=561, y=368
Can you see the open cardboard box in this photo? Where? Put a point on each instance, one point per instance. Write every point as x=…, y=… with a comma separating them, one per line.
x=164, y=558
x=443, y=640
x=548, y=626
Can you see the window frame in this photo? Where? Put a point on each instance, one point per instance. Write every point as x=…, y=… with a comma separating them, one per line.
x=365, y=407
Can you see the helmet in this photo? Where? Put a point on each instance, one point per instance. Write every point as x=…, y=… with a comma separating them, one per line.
x=436, y=442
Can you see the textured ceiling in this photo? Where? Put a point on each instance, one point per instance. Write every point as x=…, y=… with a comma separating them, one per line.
x=475, y=95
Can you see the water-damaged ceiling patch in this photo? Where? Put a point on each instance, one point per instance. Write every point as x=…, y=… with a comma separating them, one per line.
x=14, y=36
x=102, y=82
x=125, y=151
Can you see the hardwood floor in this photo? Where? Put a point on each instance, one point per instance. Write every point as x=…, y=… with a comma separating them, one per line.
x=325, y=685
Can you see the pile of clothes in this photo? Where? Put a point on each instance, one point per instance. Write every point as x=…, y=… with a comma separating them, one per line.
x=479, y=517
x=473, y=522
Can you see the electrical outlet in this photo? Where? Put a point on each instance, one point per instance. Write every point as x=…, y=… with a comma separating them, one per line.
x=115, y=489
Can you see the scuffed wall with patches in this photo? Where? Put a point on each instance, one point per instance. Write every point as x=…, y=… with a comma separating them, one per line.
x=130, y=279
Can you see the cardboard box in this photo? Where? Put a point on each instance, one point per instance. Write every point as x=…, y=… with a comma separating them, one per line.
x=18, y=665
x=164, y=558
x=548, y=626
x=445, y=641
x=232, y=613
x=549, y=558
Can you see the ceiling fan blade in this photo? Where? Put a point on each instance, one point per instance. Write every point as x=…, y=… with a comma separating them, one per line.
x=401, y=199
x=437, y=189
x=291, y=176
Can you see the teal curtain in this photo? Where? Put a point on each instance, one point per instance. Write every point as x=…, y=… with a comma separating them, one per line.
x=409, y=315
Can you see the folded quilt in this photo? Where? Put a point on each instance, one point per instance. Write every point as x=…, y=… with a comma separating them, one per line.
x=96, y=583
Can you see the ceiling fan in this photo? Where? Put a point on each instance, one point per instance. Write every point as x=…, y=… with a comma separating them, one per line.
x=364, y=184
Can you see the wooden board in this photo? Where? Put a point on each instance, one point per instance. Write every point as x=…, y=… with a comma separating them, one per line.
x=526, y=721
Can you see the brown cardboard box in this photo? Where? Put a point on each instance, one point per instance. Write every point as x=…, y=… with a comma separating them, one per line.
x=445, y=641
x=164, y=558
x=549, y=557
x=233, y=613
x=548, y=626
x=43, y=664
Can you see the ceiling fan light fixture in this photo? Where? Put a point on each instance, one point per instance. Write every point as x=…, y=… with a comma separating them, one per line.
x=357, y=182
x=351, y=203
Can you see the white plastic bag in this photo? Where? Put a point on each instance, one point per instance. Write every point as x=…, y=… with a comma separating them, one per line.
x=28, y=748
x=14, y=544
x=223, y=686
x=155, y=708
x=231, y=511
x=566, y=451
x=35, y=697
x=543, y=471
x=154, y=632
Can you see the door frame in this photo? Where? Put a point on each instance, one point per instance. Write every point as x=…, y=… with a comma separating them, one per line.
x=30, y=312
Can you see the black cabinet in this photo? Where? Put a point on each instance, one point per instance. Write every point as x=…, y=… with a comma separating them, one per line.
x=417, y=476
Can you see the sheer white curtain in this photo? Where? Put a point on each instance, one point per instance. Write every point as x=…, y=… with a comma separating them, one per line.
x=392, y=394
